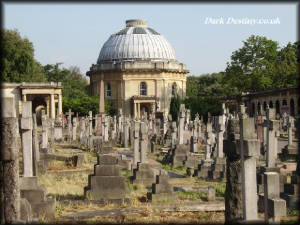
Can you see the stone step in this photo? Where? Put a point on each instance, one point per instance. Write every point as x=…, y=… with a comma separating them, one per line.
x=34, y=195
x=44, y=209
x=28, y=183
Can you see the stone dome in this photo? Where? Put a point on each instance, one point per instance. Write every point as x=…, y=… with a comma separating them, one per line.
x=136, y=42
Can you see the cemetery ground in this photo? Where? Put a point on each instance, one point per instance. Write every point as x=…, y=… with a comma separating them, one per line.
x=66, y=183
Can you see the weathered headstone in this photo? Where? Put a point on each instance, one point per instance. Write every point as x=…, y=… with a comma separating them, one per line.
x=181, y=123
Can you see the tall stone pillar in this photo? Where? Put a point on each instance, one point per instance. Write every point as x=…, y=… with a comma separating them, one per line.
x=52, y=107
x=26, y=136
x=101, y=108
x=181, y=124
x=9, y=161
x=136, y=134
x=59, y=105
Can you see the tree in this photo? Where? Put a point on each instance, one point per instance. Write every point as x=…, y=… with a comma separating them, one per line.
x=252, y=67
x=18, y=60
x=287, y=67
x=175, y=106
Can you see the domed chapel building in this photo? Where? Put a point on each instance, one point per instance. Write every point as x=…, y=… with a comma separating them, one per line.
x=138, y=71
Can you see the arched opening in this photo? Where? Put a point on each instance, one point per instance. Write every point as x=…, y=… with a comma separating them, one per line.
x=143, y=89
x=265, y=106
x=174, y=88
x=258, y=108
x=292, y=107
x=277, y=107
x=271, y=104
x=108, y=90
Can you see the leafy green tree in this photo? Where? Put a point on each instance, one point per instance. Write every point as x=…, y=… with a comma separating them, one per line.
x=175, y=106
x=287, y=67
x=18, y=63
x=252, y=67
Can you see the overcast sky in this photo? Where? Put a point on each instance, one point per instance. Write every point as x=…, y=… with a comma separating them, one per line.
x=74, y=33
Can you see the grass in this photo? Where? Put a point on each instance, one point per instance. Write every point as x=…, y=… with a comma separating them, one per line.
x=191, y=195
x=64, y=186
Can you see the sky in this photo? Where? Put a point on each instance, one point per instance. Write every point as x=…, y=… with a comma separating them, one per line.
x=74, y=33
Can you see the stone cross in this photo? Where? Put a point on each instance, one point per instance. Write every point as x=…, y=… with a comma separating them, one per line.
x=272, y=125
x=248, y=147
x=181, y=123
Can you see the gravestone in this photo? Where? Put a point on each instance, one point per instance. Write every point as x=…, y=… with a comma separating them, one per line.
x=248, y=147
x=69, y=115
x=126, y=132
x=162, y=190
x=106, y=183
x=290, y=151
x=58, y=129
x=143, y=174
x=274, y=207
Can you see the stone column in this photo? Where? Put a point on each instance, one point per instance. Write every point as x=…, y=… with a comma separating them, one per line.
x=134, y=110
x=106, y=124
x=136, y=134
x=26, y=136
x=74, y=128
x=290, y=130
x=248, y=147
x=126, y=132
x=143, y=142
x=220, y=133
x=9, y=161
x=181, y=123
x=44, y=130
x=208, y=141
x=35, y=145
x=138, y=110
x=52, y=108
x=90, y=121
x=59, y=105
